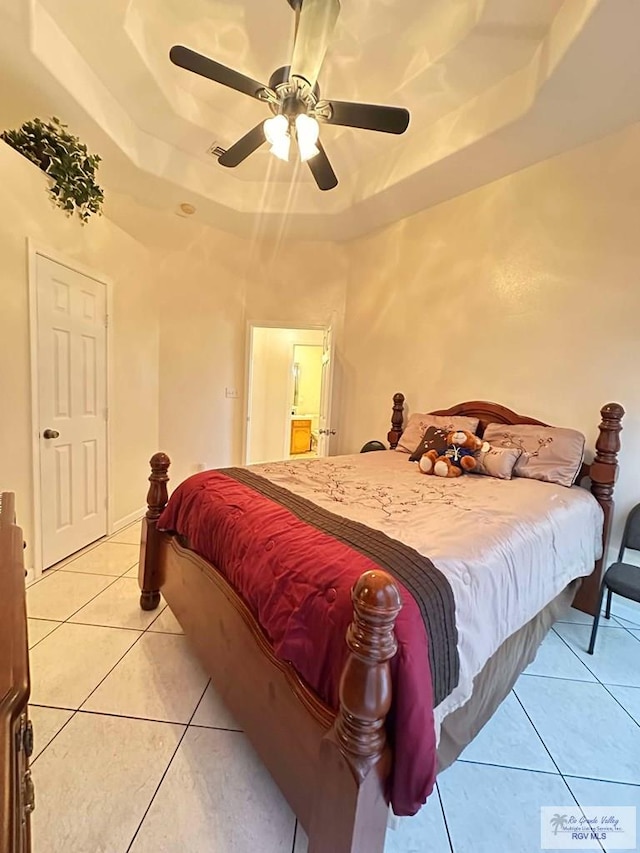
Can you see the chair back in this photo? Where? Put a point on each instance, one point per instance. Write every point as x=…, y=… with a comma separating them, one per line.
x=631, y=535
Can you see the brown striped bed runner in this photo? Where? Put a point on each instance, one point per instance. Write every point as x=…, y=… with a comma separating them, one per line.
x=426, y=583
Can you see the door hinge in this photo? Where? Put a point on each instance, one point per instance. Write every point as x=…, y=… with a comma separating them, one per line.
x=106, y=321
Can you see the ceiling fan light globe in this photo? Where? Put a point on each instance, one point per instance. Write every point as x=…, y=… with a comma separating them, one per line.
x=276, y=129
x=307, y=133
x=307, y=129
x=307, y=151
x=280, y=147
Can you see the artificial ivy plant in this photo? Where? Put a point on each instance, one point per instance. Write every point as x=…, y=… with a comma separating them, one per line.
x=64, y=159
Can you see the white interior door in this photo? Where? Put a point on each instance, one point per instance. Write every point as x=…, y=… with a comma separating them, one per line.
x=72, y=415
x=325, y=432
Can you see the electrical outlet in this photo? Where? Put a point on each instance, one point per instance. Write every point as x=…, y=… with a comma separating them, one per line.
x=231, y=393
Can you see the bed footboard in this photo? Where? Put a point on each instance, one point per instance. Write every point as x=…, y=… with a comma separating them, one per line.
x=149, y=564
x=350, y=811
x=332, y=768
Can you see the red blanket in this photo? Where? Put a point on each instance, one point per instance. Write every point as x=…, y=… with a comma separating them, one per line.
x=297, y=581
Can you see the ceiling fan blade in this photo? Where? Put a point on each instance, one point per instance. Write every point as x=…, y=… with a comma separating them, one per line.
x=205, y=67
x=369, y=116
x=249, y=143
x=316, y=21
x=322, y=170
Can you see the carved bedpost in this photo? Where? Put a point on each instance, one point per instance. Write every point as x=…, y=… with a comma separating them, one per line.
x=603, y=473
x=350, y=812
x=397, y=416
x=157, y=497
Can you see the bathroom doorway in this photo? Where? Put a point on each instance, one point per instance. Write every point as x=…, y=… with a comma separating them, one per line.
x=289, y=393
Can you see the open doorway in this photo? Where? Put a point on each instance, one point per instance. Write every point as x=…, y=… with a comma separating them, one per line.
x=289, y=394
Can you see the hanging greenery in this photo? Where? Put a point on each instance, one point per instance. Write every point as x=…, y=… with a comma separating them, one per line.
x=64, y=159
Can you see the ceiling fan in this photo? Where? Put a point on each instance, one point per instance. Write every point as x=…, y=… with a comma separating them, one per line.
x=293, y=96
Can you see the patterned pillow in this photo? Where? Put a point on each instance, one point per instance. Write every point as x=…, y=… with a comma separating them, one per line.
x=551, y=454
x=435, y=438
x=418, y=423
x=497, y=462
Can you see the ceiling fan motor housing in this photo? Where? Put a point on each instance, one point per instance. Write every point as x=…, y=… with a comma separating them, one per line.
x=281, y=77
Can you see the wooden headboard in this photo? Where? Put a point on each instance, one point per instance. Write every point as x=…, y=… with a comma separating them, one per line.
x=602, y=473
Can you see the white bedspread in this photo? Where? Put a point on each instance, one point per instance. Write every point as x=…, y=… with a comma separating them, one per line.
x=506, y=547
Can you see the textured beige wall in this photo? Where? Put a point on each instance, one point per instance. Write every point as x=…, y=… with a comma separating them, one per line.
x=108, y=251
x=211, y=286
x=202, y=338
x=526, y=292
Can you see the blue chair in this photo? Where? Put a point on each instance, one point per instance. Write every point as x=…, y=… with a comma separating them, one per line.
x=621, y=578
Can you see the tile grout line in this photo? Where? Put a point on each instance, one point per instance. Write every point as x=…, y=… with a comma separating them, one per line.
x=615, y=699
x=73, y=710
x=605, y=781
x=555, y=764
x=560, y=678
x=166, y=770
x=97, y=574
x=508, y=766
x=577, y=656
x=121, y=628
x=444, y=817
x=71, y=615
x=143, y=719
x=77, y=710
x=89, y=600
x=141, y=634
x=64, y=725
x=580, y=807
x=51, y=570
x=52, y=631
x=93, y=625
x=547, y=772
x=602, y=684
x=66, y=621
x=573, y=796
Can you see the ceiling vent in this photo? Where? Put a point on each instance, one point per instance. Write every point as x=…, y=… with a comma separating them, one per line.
x=215, y=150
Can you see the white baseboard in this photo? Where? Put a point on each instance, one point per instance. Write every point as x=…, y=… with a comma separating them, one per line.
x=126, y=520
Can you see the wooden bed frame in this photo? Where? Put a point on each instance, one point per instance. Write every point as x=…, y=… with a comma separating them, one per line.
x=331, y=767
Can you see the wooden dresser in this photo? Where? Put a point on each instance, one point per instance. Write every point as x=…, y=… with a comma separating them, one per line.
x=16, y=737
x=300, y=435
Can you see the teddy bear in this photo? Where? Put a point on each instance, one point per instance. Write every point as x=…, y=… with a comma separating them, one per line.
x=458, y=457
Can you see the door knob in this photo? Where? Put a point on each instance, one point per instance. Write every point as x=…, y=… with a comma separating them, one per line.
x=51, y=433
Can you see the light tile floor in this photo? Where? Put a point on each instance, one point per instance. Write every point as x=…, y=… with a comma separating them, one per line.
x=135, y=751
